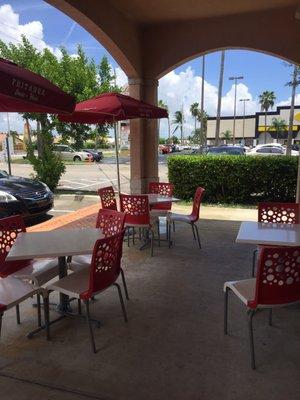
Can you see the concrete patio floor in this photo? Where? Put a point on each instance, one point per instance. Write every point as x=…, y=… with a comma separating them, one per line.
x=173, y=346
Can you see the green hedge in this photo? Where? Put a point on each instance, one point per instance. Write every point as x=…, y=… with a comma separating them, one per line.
x=235, y=179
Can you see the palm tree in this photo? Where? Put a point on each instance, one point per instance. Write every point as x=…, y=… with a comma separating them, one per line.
x=164, y=105
x=203, y=116
x=266, y=100
x=227, y=135
x=194, y=109
x=178, y=121
x=220, y=97
x=279, y=125
x=294, y=83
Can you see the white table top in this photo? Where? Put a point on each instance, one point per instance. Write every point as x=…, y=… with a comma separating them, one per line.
x=269, y=234
x=58, y=243
x=156, y=199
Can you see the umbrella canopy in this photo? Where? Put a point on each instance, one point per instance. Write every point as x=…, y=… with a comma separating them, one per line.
x=110, y=107
x=24, y=91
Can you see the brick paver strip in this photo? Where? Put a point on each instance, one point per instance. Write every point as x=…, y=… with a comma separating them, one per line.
x=82, y=218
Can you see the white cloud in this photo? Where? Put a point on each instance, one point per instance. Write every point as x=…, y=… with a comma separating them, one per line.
x=182, y=89
x=11, y=30
x=121, y=77
x=288, y=102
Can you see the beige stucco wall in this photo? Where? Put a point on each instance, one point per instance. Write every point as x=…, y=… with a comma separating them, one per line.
x=227, y=124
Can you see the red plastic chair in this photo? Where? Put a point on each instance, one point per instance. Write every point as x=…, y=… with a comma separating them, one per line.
x=277, y=285
x=108, y=198
x=110, y=223
x=136, y=208
x=281, y=213
x=103, y=273
x=164, y=189
x=37, y=271
x=190, y=218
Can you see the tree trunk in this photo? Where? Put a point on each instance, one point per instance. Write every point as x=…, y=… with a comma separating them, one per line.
x=39, y=139
x=169, y=130
x=291, y=120
x=181, y=134
x=265, y=127
x=217, y=135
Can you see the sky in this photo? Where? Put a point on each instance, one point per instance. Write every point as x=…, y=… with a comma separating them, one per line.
x=45, y=26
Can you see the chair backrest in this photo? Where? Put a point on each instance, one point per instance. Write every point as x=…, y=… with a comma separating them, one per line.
x=10, y=227
x=278, y=276
x=164, y=189
x=196, y=203
x=110, y=222
x=105, y=264
x=136, y=208
x=283, y=213
x=108, y=198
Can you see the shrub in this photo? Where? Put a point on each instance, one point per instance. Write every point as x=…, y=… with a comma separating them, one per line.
x=235, y=179
x=49, y=168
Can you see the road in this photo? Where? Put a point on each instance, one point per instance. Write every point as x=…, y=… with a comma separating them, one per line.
x=91, y=176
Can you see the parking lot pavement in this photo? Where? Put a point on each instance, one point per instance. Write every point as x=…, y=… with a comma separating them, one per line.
x=90, y=176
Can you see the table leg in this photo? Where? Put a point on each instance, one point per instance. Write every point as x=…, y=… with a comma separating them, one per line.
x=64, y=299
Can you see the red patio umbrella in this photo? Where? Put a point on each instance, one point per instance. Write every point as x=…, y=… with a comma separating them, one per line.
x=112, y=107
x=22, y=90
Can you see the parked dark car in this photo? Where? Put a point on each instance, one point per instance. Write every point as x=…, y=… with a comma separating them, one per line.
x=23, y=196
x=226, y=150
x=97, y=156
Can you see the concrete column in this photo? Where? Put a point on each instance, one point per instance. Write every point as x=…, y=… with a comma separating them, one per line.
x=143, y=139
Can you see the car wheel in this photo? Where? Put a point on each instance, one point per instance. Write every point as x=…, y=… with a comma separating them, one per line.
x=76, y=158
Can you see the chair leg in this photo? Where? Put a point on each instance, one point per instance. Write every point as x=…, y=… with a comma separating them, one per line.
x=270, y=317
x=198, y=236
x=140, y=233
x=121, y=301
x=226, y=310
x=88, y=319
x=173, y=226
x=169, y=234
x=38, y=303
x=46, y=316
x=128, y=236
x=254, y=258
x=193, y=229
x=79, y=306
x=18, y=314
x=124, y=284
x=133, y=236
x=251, y=340
x=151, y=241
x=1, y=315
x=158, y=232
x=167, y=228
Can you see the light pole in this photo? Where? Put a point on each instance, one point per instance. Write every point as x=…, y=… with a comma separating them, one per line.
x=244, y=101
x=235, y=79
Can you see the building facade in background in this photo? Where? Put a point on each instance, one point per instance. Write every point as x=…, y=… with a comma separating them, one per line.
x=254, y=127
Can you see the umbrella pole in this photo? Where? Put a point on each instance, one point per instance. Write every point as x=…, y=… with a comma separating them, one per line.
x=7, y=145
x=117, y=157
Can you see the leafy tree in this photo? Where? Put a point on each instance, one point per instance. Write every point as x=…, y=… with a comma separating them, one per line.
x=227, y=136
x=194, y=109
x=279, y=125
x=174, y=139
x=78, y=76
x=178, y=121
x=266, y=101
x=162, y=140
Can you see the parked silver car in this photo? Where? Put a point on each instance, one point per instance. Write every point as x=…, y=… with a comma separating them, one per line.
x=67, y=153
